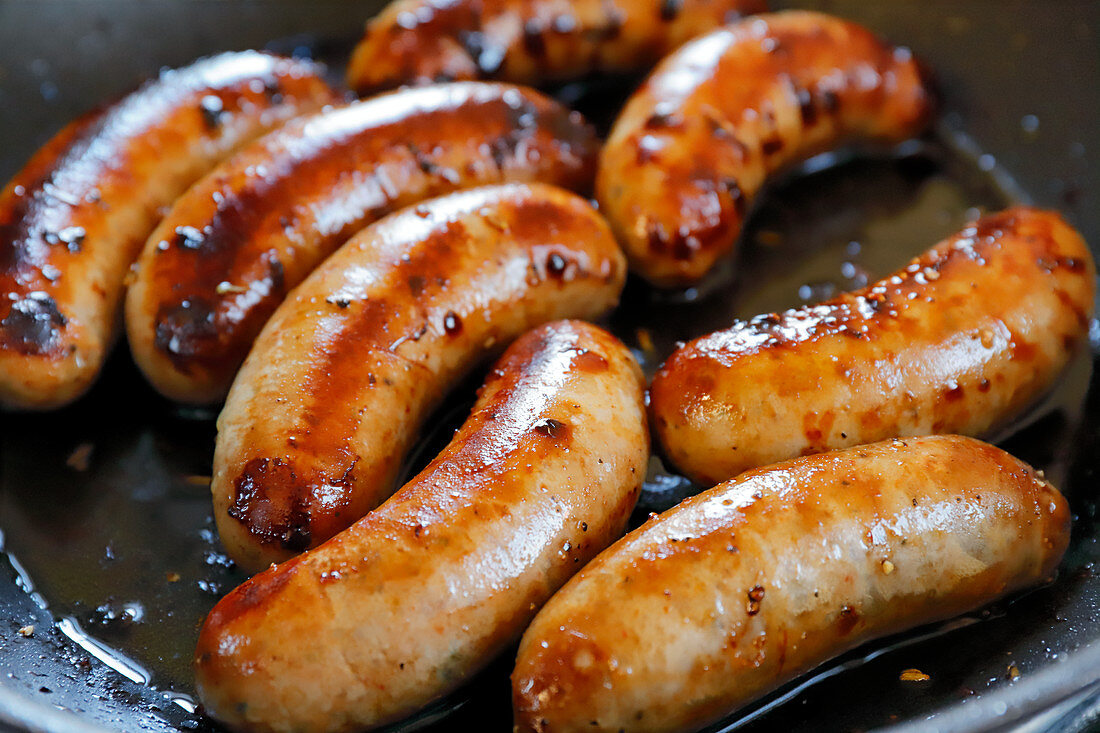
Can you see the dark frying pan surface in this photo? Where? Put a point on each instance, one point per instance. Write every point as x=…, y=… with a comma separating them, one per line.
x=124, y=551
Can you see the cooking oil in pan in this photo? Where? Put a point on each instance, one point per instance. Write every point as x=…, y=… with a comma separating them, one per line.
x=105, y=506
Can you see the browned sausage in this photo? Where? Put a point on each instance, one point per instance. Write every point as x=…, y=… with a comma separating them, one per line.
x=338, y=384
x=762, y=578
x=962, y=340
x=527, y=41
x=75, y=217
x=233, y=246
x=412, y=600
x=698, y=140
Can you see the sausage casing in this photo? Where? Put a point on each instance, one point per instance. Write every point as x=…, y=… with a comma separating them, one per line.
x=418, y=595
x=231, y=248
x=764, y=577
x=73, y=220
x=697, y=141
x=527, y=41
x=335, y=390
x=962, y=340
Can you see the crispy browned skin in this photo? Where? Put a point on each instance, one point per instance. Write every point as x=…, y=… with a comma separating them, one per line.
x=73, y=220
x=697, y=141
x=412, y=600
x=527, y=41
x=230, y=249
x=762, y=578
x=962, y=340
x=334, y=392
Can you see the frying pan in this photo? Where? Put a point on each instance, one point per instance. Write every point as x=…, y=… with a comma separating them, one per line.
x=110, y=552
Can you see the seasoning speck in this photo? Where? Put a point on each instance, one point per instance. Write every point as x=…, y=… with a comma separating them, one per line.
x=913, y=675
x=27, y=631
x=549, y=427
x=756, y=595
x=887, y=567
x=172, y=577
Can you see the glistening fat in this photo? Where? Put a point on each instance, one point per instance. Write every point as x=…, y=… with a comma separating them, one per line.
x=527, y=41
x=760, y=579
x=240, y=239
x=963, y=339
x=412, y=600
x=75, y=218
x=338, y=384
x=695, y=144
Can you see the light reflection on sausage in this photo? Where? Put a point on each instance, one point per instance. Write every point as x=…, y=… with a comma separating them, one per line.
x=240, y=239
x=527, y=41
x=74, y=219
x=338, y=384
x=758, y=580
x=962, y=340
x=695, y=144
x=412, y=600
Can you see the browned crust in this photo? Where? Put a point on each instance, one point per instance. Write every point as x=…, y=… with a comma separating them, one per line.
x=694, y=145
x=961, y=340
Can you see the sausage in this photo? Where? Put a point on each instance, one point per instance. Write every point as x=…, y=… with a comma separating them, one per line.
x=527, y=41
x=760, y=579
x=337, y=386
x=238, y=241
x=962, y=340
x=448, y=572
x=73, y=220
x=698, y=140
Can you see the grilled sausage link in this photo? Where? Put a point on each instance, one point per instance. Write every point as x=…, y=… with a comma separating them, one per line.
x=73, y=220
x=412, y=600
x=527, y=41
x=697, y=141
x=962, y=340
x=230, y=249
x=762, y=578
x=335, y=390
